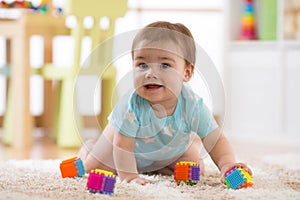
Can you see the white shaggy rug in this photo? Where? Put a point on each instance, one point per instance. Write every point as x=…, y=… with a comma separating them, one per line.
x=41, y=179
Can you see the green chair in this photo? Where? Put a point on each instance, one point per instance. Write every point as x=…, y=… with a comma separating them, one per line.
x=68, y=123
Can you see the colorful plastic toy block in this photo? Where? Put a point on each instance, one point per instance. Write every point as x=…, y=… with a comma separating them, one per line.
x=72, y=168
x=188, y=172
x=238, y=178
x=101, y=181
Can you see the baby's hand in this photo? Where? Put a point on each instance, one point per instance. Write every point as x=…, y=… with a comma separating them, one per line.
x=226, y=168
x=141, y=181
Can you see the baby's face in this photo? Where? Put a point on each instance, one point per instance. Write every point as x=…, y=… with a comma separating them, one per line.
x=159, y=73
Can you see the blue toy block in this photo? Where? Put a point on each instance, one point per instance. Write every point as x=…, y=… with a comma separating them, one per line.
x=238, y=178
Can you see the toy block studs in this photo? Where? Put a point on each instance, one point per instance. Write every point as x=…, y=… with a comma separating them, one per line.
x=188, y=172
x=72, y=168
x=101, y=181
x=237, y=178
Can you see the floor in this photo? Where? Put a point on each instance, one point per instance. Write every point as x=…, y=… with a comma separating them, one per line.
x=259, y=148
x=44, y=147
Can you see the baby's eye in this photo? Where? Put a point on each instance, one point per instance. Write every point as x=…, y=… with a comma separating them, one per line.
x=164, y=66
x=142, y=65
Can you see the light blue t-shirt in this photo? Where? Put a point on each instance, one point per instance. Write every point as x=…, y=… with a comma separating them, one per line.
x=161, y=138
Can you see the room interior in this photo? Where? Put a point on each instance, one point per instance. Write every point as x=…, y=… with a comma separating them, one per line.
x=253, y=91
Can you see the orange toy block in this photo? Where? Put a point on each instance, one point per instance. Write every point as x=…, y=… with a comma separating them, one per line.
x=188, y=172
x=71, y=168
x=182, y=172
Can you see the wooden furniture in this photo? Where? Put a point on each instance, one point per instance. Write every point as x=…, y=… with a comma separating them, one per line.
x=18, y=120
x=262, y=75
x=67, y=121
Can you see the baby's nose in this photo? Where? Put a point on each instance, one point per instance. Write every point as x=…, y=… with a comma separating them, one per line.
x=152, y=72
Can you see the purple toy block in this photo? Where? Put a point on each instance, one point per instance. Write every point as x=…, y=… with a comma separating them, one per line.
x=101, y=181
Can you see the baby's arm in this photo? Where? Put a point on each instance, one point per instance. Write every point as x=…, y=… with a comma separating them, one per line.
x=221, y=152
x=124, y=159
x=112, y=151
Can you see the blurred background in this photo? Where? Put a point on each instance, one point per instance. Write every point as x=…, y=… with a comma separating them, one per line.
x=254, y=47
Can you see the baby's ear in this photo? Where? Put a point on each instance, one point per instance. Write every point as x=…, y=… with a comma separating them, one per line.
x=188, y=72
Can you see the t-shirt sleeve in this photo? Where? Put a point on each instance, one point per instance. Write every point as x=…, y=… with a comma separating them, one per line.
x=123, y=117
x=203, y=122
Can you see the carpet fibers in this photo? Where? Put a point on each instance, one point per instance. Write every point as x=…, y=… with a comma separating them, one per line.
x=41, y=179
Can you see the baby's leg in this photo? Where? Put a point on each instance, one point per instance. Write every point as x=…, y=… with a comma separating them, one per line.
x=98, y=153
x=192, y=154
x=86, y=148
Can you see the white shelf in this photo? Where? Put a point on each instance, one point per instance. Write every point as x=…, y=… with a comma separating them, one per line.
x=253, y=44
x=292, y=44
x=261, y=78
x=240, y=45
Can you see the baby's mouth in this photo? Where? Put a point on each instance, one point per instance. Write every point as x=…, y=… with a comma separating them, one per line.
x=152, y=86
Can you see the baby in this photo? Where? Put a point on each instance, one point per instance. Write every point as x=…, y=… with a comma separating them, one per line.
x=161, y=121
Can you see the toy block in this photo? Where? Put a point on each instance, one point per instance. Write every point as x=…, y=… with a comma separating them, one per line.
x=195, y=173
x=237, y=178
x=188, y=172
x=101, y=181
x=72, y=167
x=94, y=182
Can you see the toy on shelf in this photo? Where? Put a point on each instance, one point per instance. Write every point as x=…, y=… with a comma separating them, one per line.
x=101, y=181
x=188, y=172
x=25, y=4
x=248, y=30
x=237, y=178
x=72, y=168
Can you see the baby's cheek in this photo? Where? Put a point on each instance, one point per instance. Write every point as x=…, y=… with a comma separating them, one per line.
x=138, y=82
x=174, y=85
